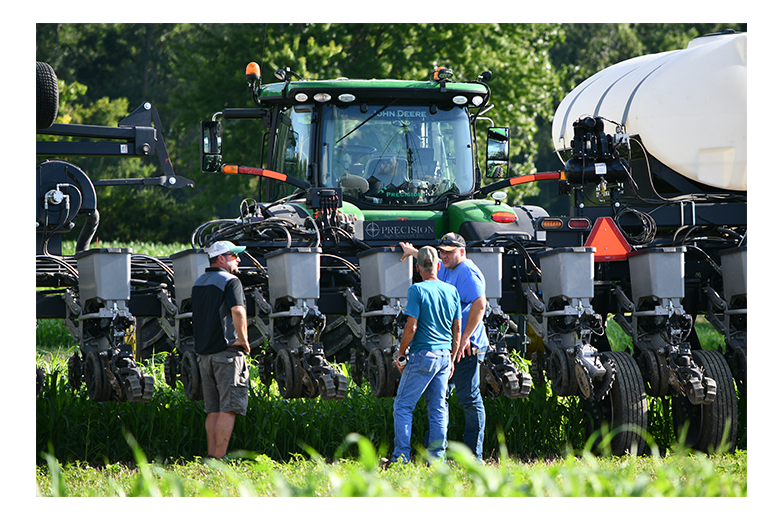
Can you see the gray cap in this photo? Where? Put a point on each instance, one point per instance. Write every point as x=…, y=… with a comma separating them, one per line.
x=427, y=257
x=451, y=241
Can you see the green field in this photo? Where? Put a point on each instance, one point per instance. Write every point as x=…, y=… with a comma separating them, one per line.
x=249, y=475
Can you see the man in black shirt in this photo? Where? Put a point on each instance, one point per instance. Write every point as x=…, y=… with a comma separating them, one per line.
x=220, y=333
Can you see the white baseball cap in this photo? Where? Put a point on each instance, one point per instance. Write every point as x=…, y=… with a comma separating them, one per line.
x=223, y=247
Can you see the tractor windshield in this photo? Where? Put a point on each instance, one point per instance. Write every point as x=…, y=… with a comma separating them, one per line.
x=394, y=154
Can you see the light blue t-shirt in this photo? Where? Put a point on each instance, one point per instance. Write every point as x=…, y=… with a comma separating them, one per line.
x=470, y=284
x=435, y=305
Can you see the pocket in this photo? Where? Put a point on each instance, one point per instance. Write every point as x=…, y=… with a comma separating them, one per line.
x=243, y=374
x=223, y=358
x=423, y=361
x=239, y=399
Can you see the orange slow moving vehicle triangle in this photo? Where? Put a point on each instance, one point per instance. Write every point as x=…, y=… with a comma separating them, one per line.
x=607, y=239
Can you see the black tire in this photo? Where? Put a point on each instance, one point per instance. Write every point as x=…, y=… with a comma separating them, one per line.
x=736, y=359
x=625, y=408
x=287, y=375
x=170, y=370
x=560, y=371
x=326, y=387
x=376, y=372
x=148, y=386
x=484, y=375
x=98, y=387
x=383, y=382
x=652, y=368
x=357, y=364
x=132, y=386
x=40, y=379
x=339, y=341
x=190, y=376
x=703, y=426
x=75, y=371
x=47, y=95
x=266, y=367
x=151, y=338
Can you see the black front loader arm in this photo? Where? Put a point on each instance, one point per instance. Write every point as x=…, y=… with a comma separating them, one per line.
x=138, y=134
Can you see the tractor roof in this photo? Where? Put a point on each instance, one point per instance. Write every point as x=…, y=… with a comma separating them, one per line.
x=385, y=91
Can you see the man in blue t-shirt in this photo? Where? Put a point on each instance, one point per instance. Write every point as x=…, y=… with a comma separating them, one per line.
x=431, y=334
x=459, y=271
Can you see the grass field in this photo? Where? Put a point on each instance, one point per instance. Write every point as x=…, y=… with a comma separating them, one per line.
x=249, y=475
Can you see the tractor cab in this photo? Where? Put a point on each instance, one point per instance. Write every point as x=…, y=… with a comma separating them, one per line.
x=377, y=143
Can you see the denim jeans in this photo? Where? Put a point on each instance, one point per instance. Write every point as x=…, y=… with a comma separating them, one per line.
x=466, y=385
x=426, y=373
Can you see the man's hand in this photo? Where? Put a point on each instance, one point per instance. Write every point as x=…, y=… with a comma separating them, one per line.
x=464, y=349
x=405, y=340
x=239, y=318
x=475, y=317
x=408, y=250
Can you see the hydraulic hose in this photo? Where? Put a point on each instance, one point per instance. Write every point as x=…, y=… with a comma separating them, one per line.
x=88, y=231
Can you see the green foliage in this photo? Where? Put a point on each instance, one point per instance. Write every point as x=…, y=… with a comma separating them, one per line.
x=191, y=71
x=252, y=475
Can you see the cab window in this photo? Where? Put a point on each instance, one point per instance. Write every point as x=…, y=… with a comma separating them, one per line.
x=292, y=147
x=396, y=154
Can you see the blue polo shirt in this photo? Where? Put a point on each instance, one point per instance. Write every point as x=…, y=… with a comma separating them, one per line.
x=470, y=284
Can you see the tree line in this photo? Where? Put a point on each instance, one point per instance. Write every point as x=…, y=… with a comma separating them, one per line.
x=191, y=71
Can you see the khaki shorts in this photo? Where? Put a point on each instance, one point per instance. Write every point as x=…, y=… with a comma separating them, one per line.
x=224, y=382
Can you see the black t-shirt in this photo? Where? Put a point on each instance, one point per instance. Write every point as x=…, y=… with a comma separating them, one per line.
x=214, y=294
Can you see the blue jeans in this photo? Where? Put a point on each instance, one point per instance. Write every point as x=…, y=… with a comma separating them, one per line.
x=466, y=384
x=426, y=373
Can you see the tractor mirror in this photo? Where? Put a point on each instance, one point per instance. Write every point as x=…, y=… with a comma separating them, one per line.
x=212, y=146
x=497, y=152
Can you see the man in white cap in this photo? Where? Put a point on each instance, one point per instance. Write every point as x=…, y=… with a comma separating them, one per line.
x=456, y=269
x=220, y=332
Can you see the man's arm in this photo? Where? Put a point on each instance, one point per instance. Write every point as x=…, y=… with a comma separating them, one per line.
x=475, y=316
x=456, y=327
x=239, y=318
x=405, y=340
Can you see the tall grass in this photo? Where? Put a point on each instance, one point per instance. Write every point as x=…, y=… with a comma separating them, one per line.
x=577, y=474
x=170, y=427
